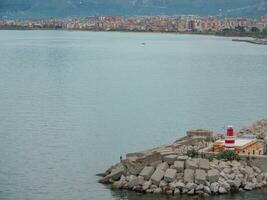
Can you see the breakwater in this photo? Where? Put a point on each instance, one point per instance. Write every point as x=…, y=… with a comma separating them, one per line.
x=252, y=41
x=170, y=170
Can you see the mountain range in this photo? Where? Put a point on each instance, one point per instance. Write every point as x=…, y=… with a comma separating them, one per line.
x=82, y=8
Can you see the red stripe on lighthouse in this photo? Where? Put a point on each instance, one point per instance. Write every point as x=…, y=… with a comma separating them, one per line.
x=229, y=141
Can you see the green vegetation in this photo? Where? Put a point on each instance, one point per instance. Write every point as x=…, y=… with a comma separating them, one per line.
x=192, y=153
x=226, y=155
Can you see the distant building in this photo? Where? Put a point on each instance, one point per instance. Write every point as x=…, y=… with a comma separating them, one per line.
x=243, y=146
x=246, y=145
x=199, y=133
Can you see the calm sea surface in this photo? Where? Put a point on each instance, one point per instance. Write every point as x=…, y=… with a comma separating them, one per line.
x=72, y=102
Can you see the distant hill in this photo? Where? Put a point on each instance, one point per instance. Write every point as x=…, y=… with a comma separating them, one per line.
x=80, y=8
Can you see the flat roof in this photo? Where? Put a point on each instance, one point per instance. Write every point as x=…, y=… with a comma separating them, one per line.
x=239, y=142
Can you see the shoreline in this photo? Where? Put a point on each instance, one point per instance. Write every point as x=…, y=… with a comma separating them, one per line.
x=215, y=34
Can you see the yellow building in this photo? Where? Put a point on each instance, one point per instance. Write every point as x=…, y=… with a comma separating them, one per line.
x=243, y=146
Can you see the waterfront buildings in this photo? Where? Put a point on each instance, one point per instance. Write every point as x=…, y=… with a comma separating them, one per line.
x=144, y=23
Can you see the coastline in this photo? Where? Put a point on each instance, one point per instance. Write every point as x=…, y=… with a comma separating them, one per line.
x=216, y=34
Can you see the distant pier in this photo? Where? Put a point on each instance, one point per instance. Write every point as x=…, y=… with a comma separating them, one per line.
x=252, y=41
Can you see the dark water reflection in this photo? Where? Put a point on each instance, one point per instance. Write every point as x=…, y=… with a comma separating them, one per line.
x=128, y=195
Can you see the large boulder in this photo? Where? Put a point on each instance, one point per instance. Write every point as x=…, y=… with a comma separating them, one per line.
x=237, y=183
x=157, y=176
x=204, y=164
x=256, y=169
x=249, y=172
x=182, y=158
x=249, y=186
x=147, y=172
x=207, y=189
x=179, y=166
x=163, y=166
x=170, y=175
x=114, y=175
x=191, y=186
x=170, y=159
x=213, y=175
x=214, y=187
x=222, y=190
x=191, y=164
x=135, y=162
x=200, y=176
x=133, y=181
x=146, y=185
x=180, y=185
x=188, y=175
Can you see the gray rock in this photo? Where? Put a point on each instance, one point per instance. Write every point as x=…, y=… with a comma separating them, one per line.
x=227, y=170
x=141, y=180
x=191, y=192
x=147, y=172
x=163, y=166
x=114, y=175
x=235, y=163
x=236, y=183
x=182, y=158
x=146, y=185
x=172, y=185
x=256, y=169
x=149, y=190
x=155, y=163
x=184, y=190
x=117, y=184
x=200, y=187
x=163, y=184
x=200, y=176
x=153, y=187
x=225, y=185
x=179, y=166
x=249, y=186
x=207, y=189
x=191, y=186
x=157, y=190
x=180, y=185
x=133, y=181
x=214, y=187
x=191, y=164
x=176, y=191
x=157, y=176
x=222, y=190
x=204, y=164
x=213, y=175
x=170, y=159
x=170, y=175
x=249, y=172
x=260, y=178
x=188, y=175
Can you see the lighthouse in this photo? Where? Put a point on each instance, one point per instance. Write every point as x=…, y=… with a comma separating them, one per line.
x=229, y=142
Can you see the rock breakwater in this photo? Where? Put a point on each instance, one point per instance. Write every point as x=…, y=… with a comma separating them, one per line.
x=169, y=170
x=177, y=175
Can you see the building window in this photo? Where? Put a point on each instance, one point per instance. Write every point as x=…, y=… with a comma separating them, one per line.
x=253, y=152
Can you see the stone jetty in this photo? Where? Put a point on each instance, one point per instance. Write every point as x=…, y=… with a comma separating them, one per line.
x=169, y=170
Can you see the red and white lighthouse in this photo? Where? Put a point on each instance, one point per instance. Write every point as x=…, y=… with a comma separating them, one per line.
x=229, y=143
